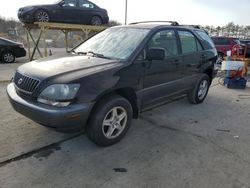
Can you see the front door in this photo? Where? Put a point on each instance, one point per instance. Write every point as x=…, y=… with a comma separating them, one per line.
x=161, y=76
x=66, y=12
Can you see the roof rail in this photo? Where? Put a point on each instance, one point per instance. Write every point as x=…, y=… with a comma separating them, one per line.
x=173, y=23
x=193, y=26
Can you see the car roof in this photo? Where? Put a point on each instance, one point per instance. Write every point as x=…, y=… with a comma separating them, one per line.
x=156, y=25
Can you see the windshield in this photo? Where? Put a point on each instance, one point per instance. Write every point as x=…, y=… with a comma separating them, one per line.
x=114, y=43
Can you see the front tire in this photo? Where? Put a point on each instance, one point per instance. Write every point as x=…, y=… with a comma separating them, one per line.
x=110, y=121
x=8, y=57
x=198, y=94
x=42, y=16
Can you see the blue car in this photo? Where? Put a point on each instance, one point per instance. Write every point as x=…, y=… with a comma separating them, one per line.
x=65, y=11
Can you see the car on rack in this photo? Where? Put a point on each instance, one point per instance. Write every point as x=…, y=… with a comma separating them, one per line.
x=112, y=77
x=65, y=11
x=224, y=44
x=10, y=50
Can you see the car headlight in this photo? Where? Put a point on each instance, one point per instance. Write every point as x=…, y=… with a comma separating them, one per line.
x=59, y=94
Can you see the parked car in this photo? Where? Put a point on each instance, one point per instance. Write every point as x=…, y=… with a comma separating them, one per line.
x=109, y=79
x=66, y=11
x=224, y=44
x=245, y=42
x=10, y=50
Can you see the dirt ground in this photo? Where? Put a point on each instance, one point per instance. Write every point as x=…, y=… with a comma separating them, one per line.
x=176, y=145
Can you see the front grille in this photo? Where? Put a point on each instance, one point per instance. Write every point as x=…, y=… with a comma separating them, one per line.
x=25, y=84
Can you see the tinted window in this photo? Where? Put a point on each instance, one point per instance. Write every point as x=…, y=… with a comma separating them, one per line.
x=206, y=40
x=189, y=43
x=221, y=41
x=166, y=40
x=70, y=3
x=85, y=4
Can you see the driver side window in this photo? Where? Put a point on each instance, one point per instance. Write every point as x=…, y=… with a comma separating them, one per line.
x=166, y=40
x=69, y=3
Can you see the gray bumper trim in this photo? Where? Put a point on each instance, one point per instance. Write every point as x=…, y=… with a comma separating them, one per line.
x=73, y=116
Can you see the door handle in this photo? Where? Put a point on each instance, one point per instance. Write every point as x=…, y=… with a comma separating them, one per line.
x=176, y=61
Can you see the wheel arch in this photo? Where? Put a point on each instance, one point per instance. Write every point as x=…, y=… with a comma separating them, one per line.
x=96, y=15
x=209, y=72
x=126, y=92
x=39, y=9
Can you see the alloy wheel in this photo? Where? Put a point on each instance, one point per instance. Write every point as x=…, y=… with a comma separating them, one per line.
x=8, y=57
x=203, y=88
x=42, y=16
x=114, y=122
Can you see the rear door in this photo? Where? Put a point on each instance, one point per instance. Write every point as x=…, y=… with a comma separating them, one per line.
x=161, y=76
x=86, y=11
x=193, y=56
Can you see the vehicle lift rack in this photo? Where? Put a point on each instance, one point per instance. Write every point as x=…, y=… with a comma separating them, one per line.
x=45, y=26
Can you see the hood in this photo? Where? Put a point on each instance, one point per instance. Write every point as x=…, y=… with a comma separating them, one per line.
x=32, y=7
x=70, y=64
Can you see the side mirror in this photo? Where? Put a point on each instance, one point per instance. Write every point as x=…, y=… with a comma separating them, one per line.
x=155, y=54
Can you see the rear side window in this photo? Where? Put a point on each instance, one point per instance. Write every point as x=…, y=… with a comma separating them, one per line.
x=206, y=40
x=85, y=4
x=189, y=43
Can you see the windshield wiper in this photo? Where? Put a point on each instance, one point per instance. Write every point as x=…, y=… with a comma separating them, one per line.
x=92, y=54
x=97, y=55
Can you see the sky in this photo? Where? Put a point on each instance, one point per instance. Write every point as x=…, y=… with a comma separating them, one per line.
x=202, y=12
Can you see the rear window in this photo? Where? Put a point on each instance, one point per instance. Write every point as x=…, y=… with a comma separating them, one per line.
x=221, y=41
x=206, y=40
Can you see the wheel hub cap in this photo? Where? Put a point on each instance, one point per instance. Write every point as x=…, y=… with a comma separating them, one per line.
x=114, y=122
x=203, y=89
x=8, y=57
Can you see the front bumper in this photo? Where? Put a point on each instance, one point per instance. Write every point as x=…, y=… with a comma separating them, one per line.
x=20, y=52
x=72, y=117
x=26, y=17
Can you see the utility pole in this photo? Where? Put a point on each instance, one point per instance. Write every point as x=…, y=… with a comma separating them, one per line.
x=126, y=11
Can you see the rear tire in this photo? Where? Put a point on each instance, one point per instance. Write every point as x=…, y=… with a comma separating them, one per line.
x=96, y=20
x=8, y=57
x=110, y=121
x=198, y=94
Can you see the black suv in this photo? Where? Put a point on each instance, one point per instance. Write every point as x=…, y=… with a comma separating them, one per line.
x=109, y=79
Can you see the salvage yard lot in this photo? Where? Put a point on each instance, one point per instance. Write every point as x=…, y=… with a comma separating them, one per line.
x=176, y=145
